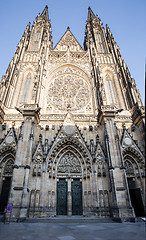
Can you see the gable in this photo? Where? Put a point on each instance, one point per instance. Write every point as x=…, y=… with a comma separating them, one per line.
x=128, y=144
x=10, y=139
x=99, y=155
x=38, y=152
x=68, y=41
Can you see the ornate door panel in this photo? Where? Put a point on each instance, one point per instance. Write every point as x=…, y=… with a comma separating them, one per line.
x=62, y=197
x=76, y=187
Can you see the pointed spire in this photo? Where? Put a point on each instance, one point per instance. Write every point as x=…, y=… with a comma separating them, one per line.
x=45, y=14
x=27, y=28
x=108, y=31
x=91, y=15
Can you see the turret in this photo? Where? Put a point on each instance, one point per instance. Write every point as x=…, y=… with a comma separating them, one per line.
x=95, y=42
x=40, y=32
x=39, y=45
x=22, y=84
x=132, y=95
x=104, y=53
x=9, y=80
x=95, y=32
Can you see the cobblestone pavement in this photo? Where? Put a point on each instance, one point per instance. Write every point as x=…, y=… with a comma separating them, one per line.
x=73, y=231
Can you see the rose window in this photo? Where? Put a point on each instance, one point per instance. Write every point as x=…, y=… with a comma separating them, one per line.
x=68, y=92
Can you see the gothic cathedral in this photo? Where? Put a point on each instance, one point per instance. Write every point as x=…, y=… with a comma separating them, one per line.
x=71, y=127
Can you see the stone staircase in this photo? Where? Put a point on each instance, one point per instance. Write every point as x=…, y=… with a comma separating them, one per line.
x=67, y=219
x=71, y=219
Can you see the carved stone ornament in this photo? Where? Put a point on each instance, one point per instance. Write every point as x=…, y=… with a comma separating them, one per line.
x=68, y=92
x=9, y=167
x=128, y=141
x=69, y=164
x=129, y=168
x=38, y=159
x=9, y=139
x=69, y=130
x=68, y=41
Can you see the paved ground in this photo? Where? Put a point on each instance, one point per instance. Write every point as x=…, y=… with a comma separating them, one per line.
x=73, y=231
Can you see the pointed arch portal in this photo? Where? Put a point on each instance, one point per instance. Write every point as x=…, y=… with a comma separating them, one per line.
x=5, y=185
x=134, y=183
x=69, y=185
x=69, y=169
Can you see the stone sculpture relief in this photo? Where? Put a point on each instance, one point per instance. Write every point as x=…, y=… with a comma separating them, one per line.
x=69, y=164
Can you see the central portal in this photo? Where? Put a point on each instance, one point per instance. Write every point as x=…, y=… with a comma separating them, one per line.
x=67, y=201
x=69, y=186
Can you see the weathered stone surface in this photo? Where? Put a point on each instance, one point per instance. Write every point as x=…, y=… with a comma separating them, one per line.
x=71, y=116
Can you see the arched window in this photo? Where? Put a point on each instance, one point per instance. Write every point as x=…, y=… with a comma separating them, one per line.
x=101, y=49
x=26, y=88
x=36, y=41
x=100, y=43
x=99, y=38
x=110, y=90
x=37, y=37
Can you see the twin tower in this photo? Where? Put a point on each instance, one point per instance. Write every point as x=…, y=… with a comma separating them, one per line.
x=71, y=127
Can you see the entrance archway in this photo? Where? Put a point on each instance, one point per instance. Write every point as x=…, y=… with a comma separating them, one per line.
x=7, y=171
x=70, y=163
x=69, y=185
x=134, y=179
x=136, y=197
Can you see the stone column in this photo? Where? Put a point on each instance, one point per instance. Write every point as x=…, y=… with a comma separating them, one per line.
x=69, y=199
x=19, y=195
x=120, y=204
x=94, y=187
x=84, y=194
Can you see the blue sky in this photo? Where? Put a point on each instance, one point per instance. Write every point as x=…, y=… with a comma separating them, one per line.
x=126, y=19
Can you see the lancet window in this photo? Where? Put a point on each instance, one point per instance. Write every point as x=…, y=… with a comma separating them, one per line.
x=26, y=88
x=99, y=38
x=36, y=41
x=111, y=95
x=100, y=43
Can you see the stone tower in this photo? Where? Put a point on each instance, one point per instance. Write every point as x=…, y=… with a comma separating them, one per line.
x=71, y=127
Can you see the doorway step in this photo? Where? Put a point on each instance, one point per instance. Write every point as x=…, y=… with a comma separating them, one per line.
x=67, y=219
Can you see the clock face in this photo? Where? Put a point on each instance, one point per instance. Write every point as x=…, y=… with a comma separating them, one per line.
x=68, y=92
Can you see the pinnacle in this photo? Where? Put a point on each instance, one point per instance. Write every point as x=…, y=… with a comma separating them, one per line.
x=91, y=15
x=107, y=27
x=27, y=29
x=28, y=26
x=45, y=13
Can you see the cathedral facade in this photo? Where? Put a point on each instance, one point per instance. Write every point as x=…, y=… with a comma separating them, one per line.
x=71, y=127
